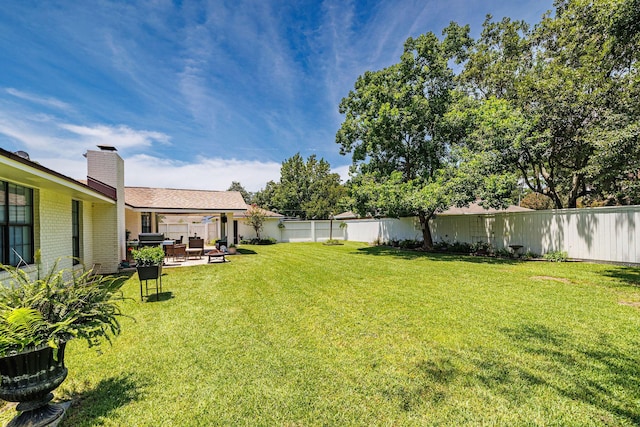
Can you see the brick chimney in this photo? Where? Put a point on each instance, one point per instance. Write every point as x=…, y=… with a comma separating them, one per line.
x=107, y=167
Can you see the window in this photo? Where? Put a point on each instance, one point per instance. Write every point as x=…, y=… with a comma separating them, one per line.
x=16, y=224
x=146, y=222
x=75, y=230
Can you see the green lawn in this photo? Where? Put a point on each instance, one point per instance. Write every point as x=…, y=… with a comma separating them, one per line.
x=307, y=334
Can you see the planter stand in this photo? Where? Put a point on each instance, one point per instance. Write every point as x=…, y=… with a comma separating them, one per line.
x=146, y=273
x=29, y=378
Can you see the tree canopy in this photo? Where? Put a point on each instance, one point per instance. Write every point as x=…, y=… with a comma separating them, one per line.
x=236, y=186
x=404, y=158
x=566, y=96
x=554, y=106
x=306, y=189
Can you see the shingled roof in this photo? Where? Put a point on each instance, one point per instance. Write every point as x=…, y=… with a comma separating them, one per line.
x=476, y=209
x=157, y=199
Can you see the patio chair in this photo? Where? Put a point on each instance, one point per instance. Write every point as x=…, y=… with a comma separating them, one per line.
x=196, y=243
x=180, y=251
x=169, y=251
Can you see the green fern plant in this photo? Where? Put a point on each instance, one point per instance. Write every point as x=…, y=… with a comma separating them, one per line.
x=63, y=304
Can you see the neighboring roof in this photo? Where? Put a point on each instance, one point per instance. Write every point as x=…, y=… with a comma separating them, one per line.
x=346, y=215
x=22, y=170
x=475, y=209
x=267, y=213
x=176, y=200
x=472, y=209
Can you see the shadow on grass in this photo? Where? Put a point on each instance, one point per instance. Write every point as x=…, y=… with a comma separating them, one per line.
x=160, y=296
x=629, y=275
x=244, y=251
x=92, y=406
x=599, y=373
x=436, y=256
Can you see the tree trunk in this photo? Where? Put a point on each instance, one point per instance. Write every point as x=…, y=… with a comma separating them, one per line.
x=427, y=241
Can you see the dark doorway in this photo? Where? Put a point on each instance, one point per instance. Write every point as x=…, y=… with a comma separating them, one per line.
x=235, y=231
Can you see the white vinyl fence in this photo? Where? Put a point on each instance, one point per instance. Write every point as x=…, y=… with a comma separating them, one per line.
x=602, y=234
x=599, y=234
x=208, y=231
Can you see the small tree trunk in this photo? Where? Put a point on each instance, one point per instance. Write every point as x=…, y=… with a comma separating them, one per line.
x=427, y=241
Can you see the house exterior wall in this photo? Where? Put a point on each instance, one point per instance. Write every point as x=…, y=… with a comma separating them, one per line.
x=53, y=229
x=106, y=243
x=133, y=223
x=87, y=231
x=52, y=232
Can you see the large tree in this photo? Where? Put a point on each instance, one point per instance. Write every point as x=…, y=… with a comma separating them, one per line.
x=405, y=157
x=307, y=189
x=567, y=95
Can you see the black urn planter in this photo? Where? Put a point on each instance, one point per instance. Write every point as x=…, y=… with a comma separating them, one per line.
x=29, y=378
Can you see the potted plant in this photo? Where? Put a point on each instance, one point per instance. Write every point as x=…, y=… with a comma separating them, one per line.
x=37, y=318
x=148, y=261
x=232, y=249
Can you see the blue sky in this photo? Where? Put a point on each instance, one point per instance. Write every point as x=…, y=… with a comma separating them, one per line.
x=197, y=94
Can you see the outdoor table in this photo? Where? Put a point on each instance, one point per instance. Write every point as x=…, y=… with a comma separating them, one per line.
x=194, y=252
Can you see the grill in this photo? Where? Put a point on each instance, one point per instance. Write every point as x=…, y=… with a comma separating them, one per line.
x=150, y=239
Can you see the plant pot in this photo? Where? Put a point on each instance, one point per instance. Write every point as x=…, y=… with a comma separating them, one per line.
x=149, y=272
x=146, y=273
x=232, y=250
x=28, y=378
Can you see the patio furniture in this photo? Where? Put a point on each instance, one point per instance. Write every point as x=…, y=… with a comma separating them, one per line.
x=194, y=253
x=169, y=250
x=180, y=251
x=216, y=255
x=196, y=248
x=196, y=243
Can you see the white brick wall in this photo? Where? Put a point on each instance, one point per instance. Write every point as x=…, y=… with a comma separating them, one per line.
x=105, y=238
x=53, y=229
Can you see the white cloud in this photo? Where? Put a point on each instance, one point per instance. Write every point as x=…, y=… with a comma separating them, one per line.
x=343, y=171
x=119, y=136
x=204, y=174
x=46, y=101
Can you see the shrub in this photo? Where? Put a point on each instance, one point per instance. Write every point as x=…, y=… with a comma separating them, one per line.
x=503, y=253
x=256, y=241
x=556, y=256
x=480, y=248
x=410, y=244
x=460, y=247
x=441, y=246
x=148, y=255
x=333, y=242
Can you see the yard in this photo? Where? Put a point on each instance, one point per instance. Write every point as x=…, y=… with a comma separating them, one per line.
x=306, y=334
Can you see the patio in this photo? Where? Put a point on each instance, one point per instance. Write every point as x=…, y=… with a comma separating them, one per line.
x=191, y=261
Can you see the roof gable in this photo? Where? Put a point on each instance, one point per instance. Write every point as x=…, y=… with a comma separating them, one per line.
x=170, y=198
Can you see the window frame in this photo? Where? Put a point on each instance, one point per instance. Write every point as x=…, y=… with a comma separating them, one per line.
x=76, y=230
x=10, y=224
